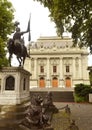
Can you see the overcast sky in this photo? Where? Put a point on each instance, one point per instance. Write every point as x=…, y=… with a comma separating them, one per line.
x=41, y=24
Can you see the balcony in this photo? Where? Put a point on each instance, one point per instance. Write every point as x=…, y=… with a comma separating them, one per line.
x=42, y=74
x=55, y=74
x=67, y=73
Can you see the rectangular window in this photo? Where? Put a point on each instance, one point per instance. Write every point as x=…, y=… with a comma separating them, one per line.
x=41, y=69
x=67, y=68
x=54, y=69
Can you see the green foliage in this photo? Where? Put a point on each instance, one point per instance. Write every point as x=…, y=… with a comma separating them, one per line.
x=6, y=28
x=79, y=99
x=75, y=16
x=81, y=89
x=3, y=59
x=81, y=92
x=6, y=17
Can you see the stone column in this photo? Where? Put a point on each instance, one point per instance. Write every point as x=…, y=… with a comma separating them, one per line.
x=35, y=68
x=84, y=68
x=48, y=72
x=35, y=71
x=80, y=68
x=73, y=69
x=30, y=66
x=61, y=73
x=27, y=64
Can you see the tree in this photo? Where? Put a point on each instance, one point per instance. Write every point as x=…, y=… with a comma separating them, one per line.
x=6, y=28
x=74, y=16
x=3, y=60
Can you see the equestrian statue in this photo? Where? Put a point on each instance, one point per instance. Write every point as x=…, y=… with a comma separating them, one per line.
x=16, y=45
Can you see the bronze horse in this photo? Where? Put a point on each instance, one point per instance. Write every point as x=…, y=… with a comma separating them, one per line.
x=19, y=50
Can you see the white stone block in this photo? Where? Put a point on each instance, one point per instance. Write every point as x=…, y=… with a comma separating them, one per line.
x=90, y=97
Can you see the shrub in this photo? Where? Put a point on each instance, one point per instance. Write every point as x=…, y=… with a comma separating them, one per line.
x=78, y=99
x=81, y=92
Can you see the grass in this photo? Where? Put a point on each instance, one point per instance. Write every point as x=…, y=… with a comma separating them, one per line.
x=60, y=121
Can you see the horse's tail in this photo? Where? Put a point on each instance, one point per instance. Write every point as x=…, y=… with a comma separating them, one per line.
x=10, y=41
x=27, y=55
x=10, y=44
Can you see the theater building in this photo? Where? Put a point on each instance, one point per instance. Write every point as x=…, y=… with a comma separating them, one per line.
x=55, y=63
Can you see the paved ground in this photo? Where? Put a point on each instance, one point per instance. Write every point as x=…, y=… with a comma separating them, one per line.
x=81, y=113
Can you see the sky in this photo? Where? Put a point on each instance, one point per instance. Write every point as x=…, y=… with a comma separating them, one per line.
x=41, y=25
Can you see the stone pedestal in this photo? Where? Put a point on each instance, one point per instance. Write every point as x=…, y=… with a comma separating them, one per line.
x=90, y=97
x=14, y=96
x=14, y=87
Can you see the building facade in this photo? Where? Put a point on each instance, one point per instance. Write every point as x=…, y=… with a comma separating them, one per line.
x=55, y=63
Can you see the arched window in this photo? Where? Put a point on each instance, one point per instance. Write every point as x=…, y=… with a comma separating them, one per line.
x=10, y=83
x=54, y=78
x=41, y=78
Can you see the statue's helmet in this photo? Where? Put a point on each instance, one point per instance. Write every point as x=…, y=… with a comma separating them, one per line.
x=17, y=29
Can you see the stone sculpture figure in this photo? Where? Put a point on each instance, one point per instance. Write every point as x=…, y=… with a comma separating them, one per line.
x=35, y=117
x=48, y=107
x=67, y=109
x=48, y=102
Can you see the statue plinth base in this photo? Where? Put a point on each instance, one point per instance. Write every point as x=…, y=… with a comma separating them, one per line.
x=35, y=128
x=14, y=87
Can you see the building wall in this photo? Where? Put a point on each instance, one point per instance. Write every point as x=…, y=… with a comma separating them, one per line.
x=55, y=63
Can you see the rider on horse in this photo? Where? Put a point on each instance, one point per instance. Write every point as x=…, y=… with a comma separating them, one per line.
x=17, y=37
x=16, y=46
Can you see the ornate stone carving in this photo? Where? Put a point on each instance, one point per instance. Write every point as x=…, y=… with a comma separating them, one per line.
x=40, y=112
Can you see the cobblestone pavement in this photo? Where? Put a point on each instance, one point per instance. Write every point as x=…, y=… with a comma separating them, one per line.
x=81, y=113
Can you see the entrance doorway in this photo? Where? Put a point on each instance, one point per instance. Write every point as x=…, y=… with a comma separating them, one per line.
x=54, y=82
x=68, y=82
x=42, y=82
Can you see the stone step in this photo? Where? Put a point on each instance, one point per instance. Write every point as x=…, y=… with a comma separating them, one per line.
x=12, y=113
x=58, y=96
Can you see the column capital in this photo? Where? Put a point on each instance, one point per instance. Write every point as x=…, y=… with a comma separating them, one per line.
x=61, y=57
x=35, y=58
x=48, y=58
x=73, y=57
